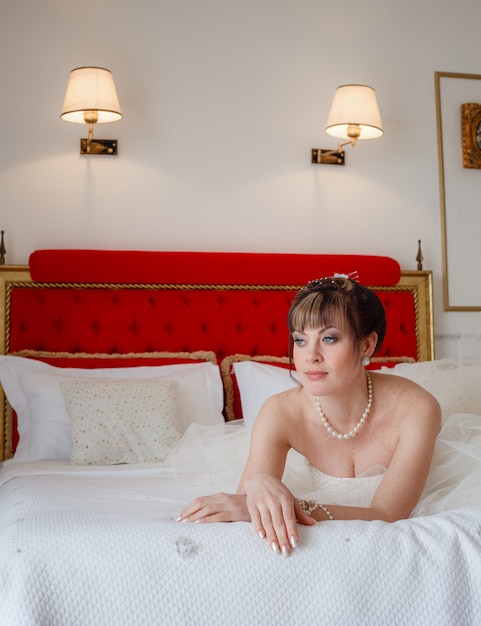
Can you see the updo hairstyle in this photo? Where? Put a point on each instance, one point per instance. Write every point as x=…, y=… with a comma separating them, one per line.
x=341, y=302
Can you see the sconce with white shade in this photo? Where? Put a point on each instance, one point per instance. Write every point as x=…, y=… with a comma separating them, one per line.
x=354, y=116
x=91, y=98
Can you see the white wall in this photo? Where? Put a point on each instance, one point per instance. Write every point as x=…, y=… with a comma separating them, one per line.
x=222, y=103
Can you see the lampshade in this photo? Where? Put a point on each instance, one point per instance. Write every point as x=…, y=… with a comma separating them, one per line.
x=354, y=106
x=91, y=90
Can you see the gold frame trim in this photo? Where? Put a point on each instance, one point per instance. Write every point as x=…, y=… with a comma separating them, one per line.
x=420, y=284
x=442, y=187
x=8, y=274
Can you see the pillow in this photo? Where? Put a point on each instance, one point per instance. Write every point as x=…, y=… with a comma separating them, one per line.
x=457, y=388
x=422, y=370
x=129, y=421
x=233, y=407
x=250, y=380
x=32, y=389
x=258, y=381
x=90, y=360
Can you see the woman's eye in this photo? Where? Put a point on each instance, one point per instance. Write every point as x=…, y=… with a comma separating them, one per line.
x=329, y=339
x=299, y=342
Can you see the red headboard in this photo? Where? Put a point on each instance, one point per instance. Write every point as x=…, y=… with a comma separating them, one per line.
x=229, y=303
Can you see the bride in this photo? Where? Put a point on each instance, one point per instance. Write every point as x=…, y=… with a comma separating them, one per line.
x=368, y=438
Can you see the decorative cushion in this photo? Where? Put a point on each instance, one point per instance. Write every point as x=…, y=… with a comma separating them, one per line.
x=129, y=421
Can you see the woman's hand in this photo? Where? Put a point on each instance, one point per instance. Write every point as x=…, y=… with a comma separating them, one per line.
x=274, y=512
x=221, y=507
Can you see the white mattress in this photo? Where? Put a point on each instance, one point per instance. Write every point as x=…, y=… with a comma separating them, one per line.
x=102, y=547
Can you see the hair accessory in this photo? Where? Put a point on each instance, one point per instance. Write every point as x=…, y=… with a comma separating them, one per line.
x=365, y=361
x=332, y=280
x=352, y=275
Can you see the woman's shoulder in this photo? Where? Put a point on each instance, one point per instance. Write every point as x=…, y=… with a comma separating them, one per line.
x=394, y=381
x=282, y=404
x=406, y=393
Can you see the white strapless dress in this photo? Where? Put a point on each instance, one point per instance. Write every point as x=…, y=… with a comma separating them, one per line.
x=356, y=491
x=213, y=458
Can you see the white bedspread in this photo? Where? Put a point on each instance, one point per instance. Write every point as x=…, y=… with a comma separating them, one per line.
x=103, y=548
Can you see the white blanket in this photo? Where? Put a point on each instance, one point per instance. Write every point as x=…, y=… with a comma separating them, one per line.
x=102, y=547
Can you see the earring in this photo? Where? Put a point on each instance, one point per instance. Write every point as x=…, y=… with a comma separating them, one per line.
x=365, y=361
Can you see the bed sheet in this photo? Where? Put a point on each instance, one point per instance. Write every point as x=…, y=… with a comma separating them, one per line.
x=83, y=546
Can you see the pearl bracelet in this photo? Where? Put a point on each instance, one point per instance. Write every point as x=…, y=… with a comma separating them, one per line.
x=308, y=506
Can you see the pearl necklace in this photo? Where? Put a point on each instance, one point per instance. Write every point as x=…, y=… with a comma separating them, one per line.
x=354, y=431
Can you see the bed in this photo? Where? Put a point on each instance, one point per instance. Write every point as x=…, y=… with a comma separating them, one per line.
x=112, y=360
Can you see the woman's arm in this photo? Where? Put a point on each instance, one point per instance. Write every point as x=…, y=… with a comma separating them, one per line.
x=261, y=496
x=223, y=507
x=220, y=507
x=273, y=510
x=403, y=484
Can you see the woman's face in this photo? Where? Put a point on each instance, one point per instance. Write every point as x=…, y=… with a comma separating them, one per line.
x=326, y=359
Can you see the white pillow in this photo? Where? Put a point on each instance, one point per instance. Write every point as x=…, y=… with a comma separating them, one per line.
x=421, y=370
x=457, y=388
x=257, y=382
x=127, y=421
x=33, y=390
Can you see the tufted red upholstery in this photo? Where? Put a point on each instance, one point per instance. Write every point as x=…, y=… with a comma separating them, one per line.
x=400, y=339
x=132, y=320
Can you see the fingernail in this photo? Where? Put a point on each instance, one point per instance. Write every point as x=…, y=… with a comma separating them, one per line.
x=285, y=551
x=261, y=534
x=275, y=547
x=293, y=542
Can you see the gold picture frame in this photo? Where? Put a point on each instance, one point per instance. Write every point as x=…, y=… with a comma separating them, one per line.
x=471, y=128
x=459, y=158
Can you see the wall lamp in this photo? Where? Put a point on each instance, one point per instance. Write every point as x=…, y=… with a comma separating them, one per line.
x=354, y=116
x=91, y=99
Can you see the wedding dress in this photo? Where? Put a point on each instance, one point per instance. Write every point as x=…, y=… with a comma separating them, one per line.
x=356, y=491
x=213, y=459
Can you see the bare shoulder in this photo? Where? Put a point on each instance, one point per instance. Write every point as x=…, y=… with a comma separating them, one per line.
x=290, y=395
x=280, y=407
x=412, y=400
x=392, y=383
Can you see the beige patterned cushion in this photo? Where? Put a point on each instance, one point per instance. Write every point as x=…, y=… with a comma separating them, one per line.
x=121, y=421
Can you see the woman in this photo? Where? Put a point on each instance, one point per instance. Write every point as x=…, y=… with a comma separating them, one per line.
x=368, y=438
